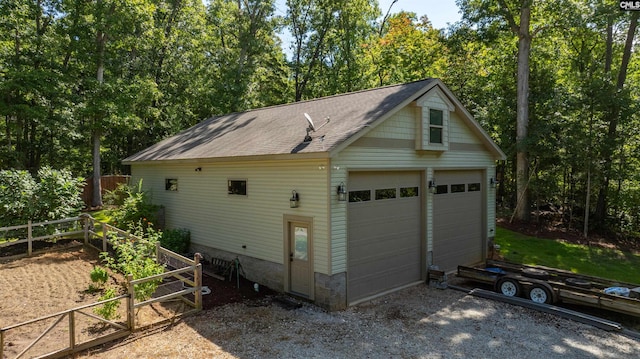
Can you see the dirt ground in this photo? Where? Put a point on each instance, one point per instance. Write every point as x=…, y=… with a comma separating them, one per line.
x=53, y=282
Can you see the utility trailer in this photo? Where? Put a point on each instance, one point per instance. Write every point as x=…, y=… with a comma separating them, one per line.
x=549, y=285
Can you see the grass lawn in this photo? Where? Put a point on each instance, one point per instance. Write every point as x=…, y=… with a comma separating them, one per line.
x=101, y=216
x=595, y=261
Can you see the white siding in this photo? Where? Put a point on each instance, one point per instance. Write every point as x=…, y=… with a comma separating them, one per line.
x=228, y=222
x=402, y=127
x=459, y=133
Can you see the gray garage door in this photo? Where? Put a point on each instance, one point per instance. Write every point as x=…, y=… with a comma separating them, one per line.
x=458, y=219
x=384, y=232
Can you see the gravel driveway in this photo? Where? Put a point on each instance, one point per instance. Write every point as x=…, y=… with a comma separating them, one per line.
x=417, y=322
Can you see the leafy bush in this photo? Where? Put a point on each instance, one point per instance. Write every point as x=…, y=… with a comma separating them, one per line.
x=108, y=310
x=136, y=209
x=99, y=276
x=117, y=196
x=136, y=257
x=177, y=240
x=17, y=194
x=53, y=194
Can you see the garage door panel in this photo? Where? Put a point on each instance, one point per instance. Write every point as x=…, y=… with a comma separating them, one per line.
x=458, y=220
x=384, y=245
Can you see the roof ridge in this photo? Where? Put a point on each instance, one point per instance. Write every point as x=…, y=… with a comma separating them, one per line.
x=323, y=98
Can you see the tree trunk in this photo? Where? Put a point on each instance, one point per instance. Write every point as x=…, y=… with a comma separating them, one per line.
x=523, y=211
x=613, y=117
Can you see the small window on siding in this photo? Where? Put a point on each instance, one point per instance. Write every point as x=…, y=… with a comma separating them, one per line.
x=442, y=189
x=409, y=192
x=474, y=187
x=436, y=124
x=457, y=188
x=360, y=196
x=237, y=187
x=171, y=184
x=385, y=193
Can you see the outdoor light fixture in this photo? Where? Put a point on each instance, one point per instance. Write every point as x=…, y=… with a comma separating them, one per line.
x=342, y=192
x=294, y=200
x=432, y=186
x=198, y=169
x=493, y=182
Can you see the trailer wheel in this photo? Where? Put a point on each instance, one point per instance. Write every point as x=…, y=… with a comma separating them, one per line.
x=535, y=273
x=580, y=283
x=508, y=287
x=540, y=294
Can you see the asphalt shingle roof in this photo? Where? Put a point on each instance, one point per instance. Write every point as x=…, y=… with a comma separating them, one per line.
x=281, y=129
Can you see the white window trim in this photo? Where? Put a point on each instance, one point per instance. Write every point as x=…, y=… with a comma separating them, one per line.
x=427, y=103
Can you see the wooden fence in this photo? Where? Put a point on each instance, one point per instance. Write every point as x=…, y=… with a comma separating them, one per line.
x=107, y=183
x=188, y=276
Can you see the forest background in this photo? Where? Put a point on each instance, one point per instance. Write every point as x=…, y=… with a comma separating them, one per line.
x=85, y=83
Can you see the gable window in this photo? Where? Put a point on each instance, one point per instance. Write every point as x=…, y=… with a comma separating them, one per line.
x=436, y=125
x=171, y=184
x=237, y=187
x=433, y=120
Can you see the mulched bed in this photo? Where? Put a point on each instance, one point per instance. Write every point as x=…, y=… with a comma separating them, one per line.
x=227, y=291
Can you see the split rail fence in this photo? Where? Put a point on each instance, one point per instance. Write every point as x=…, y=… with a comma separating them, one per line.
x=181, y=283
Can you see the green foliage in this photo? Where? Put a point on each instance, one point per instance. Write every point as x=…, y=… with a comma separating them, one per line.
x=99, y=276
x=136, y=209
x=177, y=240
x=136, y=257
x=589, y=260
x=17, y=193
x=108, y=310
x=53, y=194
x=117, y=196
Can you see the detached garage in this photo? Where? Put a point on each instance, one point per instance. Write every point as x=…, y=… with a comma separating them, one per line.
x=338, y=199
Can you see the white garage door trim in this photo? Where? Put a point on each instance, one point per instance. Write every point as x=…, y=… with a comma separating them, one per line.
x=385, y=228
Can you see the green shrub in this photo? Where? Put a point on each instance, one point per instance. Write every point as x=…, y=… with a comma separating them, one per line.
x=52, y=194
x=136, y=257
x=99, y=276
x=136, y=209
x=177, y=240
x=108, y=310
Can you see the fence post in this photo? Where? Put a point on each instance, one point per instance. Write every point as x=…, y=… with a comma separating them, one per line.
x=130, y=303
x=104, y=237
x=1, y=343
x=29, y=235
x=197, y=278
x=72, y=330
x=86, y=228
x=158, y=252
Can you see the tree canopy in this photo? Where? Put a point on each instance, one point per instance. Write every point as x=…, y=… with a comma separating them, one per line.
x=84, y=84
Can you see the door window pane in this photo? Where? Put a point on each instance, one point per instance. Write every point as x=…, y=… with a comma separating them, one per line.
x=386, y=193
x=360, y=196
x=442, y=189
x=457, y=188
x=300, y=250
x=409, y=192
x=474, y=187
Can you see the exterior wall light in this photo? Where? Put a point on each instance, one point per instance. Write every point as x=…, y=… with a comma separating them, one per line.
x=432, y=186
x=342, y=192
x=294, y=201
x=493, y=182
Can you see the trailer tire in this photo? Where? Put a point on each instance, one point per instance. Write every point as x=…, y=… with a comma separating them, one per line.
x=540, y=294
x=580, y=283
x=535, y=273
x=508, y=287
